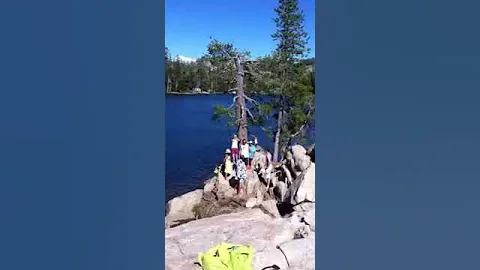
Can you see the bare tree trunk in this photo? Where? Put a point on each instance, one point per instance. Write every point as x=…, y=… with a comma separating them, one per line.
x=198, y=79
x=211, y=82
x=166, y=83
x=169, y=84
x=241, y=114
x=277, y=136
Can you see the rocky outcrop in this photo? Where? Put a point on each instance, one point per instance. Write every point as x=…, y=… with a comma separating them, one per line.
x=221, y=187
x=209, y=185
x=270, y=207
x=300, y=253
x=306, y=186
x=253, y=184
x=291, y=182
x=303, y=219
x=249, y=227
x=281, y=191
x=275, y=214
x=271, y=257
x=296, y=181
x=182, y=264
x=273, y=240
x=180, y=209
x=301, y=159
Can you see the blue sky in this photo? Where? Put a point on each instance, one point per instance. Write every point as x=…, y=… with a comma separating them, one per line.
x=248, y=24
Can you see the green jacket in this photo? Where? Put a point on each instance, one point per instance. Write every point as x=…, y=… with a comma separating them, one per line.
x=227, y=257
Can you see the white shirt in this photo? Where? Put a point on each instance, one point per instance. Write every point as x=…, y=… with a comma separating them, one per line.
x=234, y=144
x=244, y=150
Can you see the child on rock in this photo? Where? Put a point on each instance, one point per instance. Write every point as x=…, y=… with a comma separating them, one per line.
x=241, y=175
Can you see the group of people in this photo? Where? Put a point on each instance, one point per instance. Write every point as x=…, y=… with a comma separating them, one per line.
x=237, y=160
x=243, y=150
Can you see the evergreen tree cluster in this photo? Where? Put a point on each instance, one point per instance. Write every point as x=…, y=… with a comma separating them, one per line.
x=216, y=76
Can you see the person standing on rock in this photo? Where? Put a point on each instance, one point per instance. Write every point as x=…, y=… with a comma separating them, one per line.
x=241, y=175
x=228, y=165
x=234, y=148
x=244, y=151
x=251, y=153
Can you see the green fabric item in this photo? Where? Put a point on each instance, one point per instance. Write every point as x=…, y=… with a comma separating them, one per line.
x=227, y=256
x=241, y=257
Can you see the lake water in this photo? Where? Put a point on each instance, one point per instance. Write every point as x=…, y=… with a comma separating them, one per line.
x=195, y=142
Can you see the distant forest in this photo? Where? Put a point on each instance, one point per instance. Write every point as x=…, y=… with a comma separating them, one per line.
x=217, y=77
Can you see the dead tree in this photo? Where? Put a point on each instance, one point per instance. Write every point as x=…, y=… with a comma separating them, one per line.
x=242, y=113
x=240, y=108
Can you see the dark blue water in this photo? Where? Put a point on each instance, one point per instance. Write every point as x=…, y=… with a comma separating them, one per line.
x=195, y=142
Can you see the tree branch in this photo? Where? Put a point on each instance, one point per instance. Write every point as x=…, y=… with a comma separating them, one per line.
x=250, y=113
x=251, y=100
x=302, y=127
x=233, y=102
x=296, y=133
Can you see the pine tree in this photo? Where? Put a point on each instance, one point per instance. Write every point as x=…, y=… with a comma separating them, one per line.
x=294, y=96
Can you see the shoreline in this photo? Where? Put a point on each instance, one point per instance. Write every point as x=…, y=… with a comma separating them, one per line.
x=192, y=93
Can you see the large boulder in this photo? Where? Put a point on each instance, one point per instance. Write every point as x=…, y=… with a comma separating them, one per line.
x=300, y=253
x=260, y=193
x=269, y=257
x=303, y=217
x=209, y=185
x=263, y=166
x=251, y=202
x=290, y=164
x=300, y=157
x=298, y=151
x=180, y=209
x=306, y=188
x=270, y=206
x=182, y=264
x=260, y=159
x=221, y=187
x=249, y=227
x=253, y=183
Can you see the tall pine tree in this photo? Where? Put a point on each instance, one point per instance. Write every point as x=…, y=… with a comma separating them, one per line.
x=294, y=95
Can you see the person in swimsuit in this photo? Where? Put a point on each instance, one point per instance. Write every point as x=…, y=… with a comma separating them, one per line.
x=234, y=148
